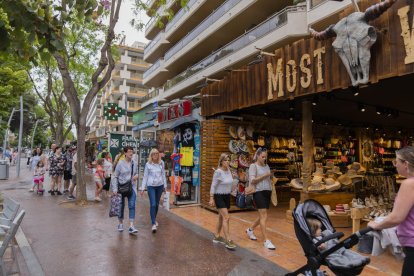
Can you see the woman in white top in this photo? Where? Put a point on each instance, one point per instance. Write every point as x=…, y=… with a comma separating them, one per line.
x=260, y=176
x=155, y=182
x=220, y=197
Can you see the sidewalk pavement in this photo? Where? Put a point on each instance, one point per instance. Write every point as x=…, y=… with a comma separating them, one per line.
x=66, y=239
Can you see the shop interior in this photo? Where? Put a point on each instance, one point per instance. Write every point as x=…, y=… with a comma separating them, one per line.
x=355, y=135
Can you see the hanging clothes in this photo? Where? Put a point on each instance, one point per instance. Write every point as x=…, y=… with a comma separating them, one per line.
x=176, y=184
x=187, y=156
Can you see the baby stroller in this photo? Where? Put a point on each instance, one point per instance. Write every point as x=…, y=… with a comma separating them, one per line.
x=313, y=209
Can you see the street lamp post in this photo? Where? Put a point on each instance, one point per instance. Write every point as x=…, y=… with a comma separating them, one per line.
x=19, y=147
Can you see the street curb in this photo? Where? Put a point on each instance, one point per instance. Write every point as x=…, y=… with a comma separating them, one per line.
x=32, y=263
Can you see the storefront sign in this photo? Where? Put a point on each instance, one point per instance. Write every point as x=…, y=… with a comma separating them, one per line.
x=276, y=78
x=175, y=111
x=119, y=141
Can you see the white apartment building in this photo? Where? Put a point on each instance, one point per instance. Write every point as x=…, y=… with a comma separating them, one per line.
x=208, y=38
x=125, y=88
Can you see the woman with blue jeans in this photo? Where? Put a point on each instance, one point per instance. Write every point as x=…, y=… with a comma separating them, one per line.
x=155, y=182
x=125, y=171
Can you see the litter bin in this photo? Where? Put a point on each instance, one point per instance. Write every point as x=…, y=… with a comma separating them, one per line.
x=4, y=169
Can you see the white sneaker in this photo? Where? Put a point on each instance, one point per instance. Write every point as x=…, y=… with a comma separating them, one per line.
x=251, y=234
x=156, y=223
x=154, y=228
x=269, y=245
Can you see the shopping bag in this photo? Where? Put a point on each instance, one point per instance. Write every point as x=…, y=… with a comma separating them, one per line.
x=115, y=207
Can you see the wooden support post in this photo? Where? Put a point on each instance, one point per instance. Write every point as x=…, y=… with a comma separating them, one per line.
x=307, y=142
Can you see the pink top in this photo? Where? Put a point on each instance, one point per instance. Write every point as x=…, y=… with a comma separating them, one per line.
x=405, y=230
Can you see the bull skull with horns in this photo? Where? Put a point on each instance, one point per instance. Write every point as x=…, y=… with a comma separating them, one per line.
x=354, y=38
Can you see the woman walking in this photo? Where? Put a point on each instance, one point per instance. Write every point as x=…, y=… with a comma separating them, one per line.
x=220, y=197
x=402, y=214
x=155, y=182
x=107, y=167
x=126, y=171
x=56, y=171
x=260, y=176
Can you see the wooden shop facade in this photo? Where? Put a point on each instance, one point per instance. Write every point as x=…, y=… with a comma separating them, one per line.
x=300, y=104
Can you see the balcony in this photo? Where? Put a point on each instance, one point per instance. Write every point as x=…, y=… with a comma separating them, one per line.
x=151, y=28
x=286, y=25
x=156, y=47
x=133, y=106
x=322, y=13
x=206, y=23
x=137, y=76
x=137, y=93
x=154, y=75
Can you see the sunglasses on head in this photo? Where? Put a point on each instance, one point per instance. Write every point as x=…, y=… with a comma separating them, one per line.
x=261, y=149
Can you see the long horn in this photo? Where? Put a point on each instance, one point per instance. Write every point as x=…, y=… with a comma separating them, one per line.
x=329, y=32
x=376, y=10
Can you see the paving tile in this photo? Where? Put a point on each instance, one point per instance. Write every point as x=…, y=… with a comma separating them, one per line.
x=289, y=253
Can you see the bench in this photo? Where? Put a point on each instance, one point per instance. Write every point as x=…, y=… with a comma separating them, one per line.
x=8, y=214
x=7, y=241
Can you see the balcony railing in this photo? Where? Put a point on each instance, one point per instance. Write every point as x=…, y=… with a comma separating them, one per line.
x=138, y=61
x=154, y=67
x=206, y=23
x=153, y=42
x=151, y=95
x=179, y=15
x=272, y=23
x=136, y=76
x=314, y=3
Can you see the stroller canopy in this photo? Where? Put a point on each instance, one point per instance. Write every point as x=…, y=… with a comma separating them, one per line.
x=312, y=208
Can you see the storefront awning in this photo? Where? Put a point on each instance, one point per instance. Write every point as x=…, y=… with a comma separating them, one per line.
x=181, y=121
x=143, y=126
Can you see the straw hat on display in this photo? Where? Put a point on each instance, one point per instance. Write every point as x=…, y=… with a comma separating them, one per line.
x=332, y=184
x=275, y=143
x=357, y=167
x=250, y=146
x=233, y=132
x=353, y=174
x=336, y=170
x=296, y=183
x=330, y=174
x=241, y=133
x=316, y=188
x=344, y=180
x=249, y=132
x=318, y=172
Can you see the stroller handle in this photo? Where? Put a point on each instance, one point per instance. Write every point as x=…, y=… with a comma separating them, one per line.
x=364, y=231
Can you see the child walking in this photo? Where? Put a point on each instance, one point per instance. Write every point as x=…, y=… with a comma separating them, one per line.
x=38, y=176
x=99, y=178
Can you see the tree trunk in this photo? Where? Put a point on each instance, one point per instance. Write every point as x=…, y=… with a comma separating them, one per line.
x=80, y=169
x=59, y=139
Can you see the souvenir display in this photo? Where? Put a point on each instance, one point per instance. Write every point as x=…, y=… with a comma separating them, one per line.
x=233, y=146
x=241, y=133
x=244, y=161
x=242, y=147
x=233, y=132
x=249, y=132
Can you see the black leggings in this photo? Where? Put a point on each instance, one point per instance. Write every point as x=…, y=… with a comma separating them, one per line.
x=408, y=266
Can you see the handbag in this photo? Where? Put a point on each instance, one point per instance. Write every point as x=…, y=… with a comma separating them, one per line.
x=115, y=207
x=125, y=189
x=251, y=189
x=241, y=200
